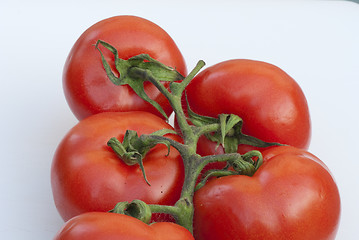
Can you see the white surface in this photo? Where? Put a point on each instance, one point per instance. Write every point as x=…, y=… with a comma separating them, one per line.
x=317, y=43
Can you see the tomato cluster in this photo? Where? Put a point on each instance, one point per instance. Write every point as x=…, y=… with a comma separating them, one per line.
x=292, y=195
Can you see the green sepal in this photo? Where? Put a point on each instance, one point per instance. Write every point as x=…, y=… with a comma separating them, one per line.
x=248, y=157
x=199, y=120
x=136, y=70
x=228, y=123
x=128, y=151
x=133, y=148
x=146, y=142
x=155, y=68
x=246, y=164
x=229, y=133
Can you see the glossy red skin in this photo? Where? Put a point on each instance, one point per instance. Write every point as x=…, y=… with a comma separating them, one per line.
x=86, y=86
x=271, y=104
x=113, y=226
x=291, y=196
x=87, y=176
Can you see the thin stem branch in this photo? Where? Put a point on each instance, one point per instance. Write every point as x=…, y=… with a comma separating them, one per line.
x=218, y=158
x=199, y=131
x=172, y=210
x=181, y=87
x=176, y=104
x=178, y=146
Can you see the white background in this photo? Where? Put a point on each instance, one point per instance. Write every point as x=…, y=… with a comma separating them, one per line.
x=316, y=42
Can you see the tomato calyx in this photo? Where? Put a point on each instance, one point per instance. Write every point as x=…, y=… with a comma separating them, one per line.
x=246, y=164
x=229, y=133
x=133, y=148
x=137, y=209
x=136, y=70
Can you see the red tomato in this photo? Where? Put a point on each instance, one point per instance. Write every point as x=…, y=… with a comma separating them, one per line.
x=88, y=89
x=271, y=104
x=291, y=196
x=88, y=176
x=113, y=226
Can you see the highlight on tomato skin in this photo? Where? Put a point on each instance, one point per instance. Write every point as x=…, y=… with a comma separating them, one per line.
x=88, y=89
x=87, y=175
x=270, y=102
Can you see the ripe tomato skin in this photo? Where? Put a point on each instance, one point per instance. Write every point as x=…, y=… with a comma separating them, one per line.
x=291, y=196
x=271, y=104
x=113, y=226
x=87, y=175
x=86, y=86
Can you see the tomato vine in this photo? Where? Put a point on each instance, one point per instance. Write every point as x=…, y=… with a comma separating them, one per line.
x=143, y=68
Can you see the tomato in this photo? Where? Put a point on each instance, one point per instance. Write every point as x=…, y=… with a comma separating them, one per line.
x=87, y=175
x=291, y=196
x=88, y=89
x=101, y=226
x=270, y=102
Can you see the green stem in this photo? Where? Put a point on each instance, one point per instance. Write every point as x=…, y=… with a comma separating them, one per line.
x=219, y=158
x=178, y=146
x=207, y=129
x=174, y=97
x=171, y=210
x=178, y=89
x=183, y=209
